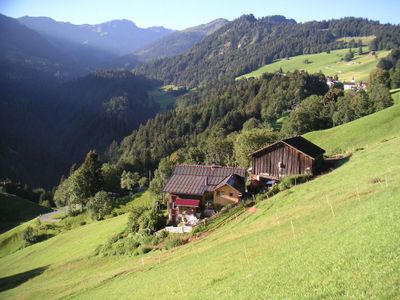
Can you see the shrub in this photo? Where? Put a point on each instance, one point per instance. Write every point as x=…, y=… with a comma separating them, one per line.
x=173, y=242
x=100, y=205
x=228, y=207
x=29, y=236
x=143, y=220
x=199, y=229
x=290, y=181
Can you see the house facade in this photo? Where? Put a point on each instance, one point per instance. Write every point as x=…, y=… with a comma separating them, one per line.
x=196, y=190
x=292, y=156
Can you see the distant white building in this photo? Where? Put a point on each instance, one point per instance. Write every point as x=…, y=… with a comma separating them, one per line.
x=350, y=85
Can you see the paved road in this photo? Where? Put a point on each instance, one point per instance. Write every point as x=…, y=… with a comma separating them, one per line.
x=47, y=217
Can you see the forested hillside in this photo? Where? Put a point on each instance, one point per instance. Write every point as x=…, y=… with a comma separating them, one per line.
x=179, y=42
x=248, y=43
x=216, y=112
x=44, y=134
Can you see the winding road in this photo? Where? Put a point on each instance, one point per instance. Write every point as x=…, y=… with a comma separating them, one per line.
x=48, y=217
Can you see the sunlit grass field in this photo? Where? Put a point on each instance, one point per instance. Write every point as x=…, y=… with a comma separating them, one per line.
x=329, y=64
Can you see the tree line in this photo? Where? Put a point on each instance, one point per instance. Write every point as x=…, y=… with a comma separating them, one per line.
x=248, y=43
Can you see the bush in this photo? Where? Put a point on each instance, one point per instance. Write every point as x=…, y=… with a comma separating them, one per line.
x=290, y=181
x=100, y=205
x=162, y=235
x=287, y=183
x=173, y=242
x=228, y=207
x=30, y=236
x=199, y=229
x=143, y=220
x=45, y=203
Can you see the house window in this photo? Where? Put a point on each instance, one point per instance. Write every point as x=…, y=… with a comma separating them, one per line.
x=221, y=193
x=230, y=194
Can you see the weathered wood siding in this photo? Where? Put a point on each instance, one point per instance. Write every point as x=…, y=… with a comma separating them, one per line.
x=226, y=195
x=292, y=161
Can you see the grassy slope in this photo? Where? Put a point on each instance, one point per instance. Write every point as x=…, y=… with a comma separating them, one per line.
x=162, y=97
x=12, y=240
x=366, y=131
x=329, y=64
x=293, y=246
x=15, y=210
x=364, y=39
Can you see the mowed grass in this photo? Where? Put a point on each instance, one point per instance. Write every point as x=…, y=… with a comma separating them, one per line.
x=15, y=210
x=334, y=237
x=329, y=64
x=366, y=131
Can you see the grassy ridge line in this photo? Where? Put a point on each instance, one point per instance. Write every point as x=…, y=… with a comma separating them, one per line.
x=365, y=131
x=329, y=64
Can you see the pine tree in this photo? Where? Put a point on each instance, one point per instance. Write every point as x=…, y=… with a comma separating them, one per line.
x=90, y=178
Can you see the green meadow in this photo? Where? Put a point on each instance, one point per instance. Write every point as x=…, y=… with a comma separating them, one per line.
x=329, y=64
x=336, y=236
x=163, y=96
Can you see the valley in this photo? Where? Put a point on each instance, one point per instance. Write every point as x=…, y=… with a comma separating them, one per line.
x=147, y=154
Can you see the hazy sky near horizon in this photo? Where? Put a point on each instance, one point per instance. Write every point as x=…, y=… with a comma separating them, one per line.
x=180, y=14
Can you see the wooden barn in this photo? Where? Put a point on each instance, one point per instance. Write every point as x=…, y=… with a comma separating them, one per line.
x=194, y=189
x=291, y=156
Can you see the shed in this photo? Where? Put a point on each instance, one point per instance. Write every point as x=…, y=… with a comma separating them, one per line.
x=292, y=156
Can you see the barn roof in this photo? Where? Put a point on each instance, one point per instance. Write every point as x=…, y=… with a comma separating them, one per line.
x=299, y=143
x=197, y=179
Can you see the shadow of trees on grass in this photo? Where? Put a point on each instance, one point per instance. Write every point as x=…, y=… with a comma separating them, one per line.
x=10, y=282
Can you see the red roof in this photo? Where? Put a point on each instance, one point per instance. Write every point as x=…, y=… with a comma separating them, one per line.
x=187, y=202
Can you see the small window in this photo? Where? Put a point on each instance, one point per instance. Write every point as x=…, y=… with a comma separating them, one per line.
x=230, y=194
x=220, y=193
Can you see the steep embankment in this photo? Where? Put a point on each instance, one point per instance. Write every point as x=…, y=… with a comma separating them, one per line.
x=334, y=237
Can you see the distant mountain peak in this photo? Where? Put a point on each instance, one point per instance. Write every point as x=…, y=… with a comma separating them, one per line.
x=118, y=37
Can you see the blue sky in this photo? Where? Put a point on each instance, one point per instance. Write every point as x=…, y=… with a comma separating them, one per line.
x=179, y=14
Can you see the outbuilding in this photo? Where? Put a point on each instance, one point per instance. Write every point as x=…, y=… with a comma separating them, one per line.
x=292, y=156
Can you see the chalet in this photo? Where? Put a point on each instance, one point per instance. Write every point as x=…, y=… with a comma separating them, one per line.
x=291, y=156
x=195, y=190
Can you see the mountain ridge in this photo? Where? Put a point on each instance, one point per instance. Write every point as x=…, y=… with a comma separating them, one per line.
x=180, y=41
x=117, y=37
